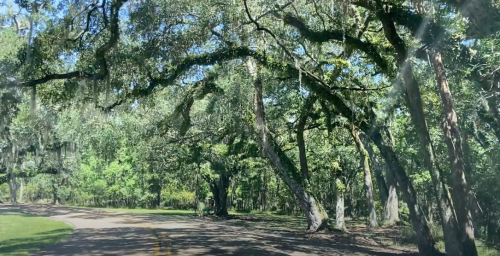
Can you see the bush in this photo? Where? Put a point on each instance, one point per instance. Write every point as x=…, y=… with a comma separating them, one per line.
x=180, y=200
x=408, y=235
x=436, y=231
x=484, y=250
x=203, y=209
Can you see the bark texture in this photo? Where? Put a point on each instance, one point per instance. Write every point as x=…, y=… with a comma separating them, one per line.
x=425, y=241
x=455, y=153
x=379, y=176
x=445, y=206
x=54, y=194
x=317, y=217
x=391, y=211
x=21, y=189
x=339, y=206
x=300, y=135
x=387, y=190
x=219, y=188
x=414, y=102
x=12, y=189
x=368, y=186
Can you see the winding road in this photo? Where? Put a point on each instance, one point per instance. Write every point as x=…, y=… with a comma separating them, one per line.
x=99, y=232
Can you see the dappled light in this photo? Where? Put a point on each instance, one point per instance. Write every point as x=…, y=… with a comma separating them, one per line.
x=250, y=127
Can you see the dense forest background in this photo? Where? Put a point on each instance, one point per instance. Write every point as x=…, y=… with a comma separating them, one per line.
x=386, y=111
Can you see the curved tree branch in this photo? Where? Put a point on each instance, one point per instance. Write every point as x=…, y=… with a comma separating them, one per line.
x=336, y=35
x=308, y=106
x=320, y=88
x=93, y=8
x=100, y=55
x=407, y=18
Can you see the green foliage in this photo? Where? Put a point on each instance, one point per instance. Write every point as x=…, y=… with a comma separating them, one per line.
x=179, y=199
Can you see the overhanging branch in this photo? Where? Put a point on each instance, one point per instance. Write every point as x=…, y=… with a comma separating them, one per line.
x=100, y=55
x=320, y=88
x=336, y=35
x=93, y=7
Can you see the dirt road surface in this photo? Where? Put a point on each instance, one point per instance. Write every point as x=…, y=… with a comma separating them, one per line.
x=99, y=232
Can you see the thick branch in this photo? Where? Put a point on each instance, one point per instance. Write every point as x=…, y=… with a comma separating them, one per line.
x=412, y=20
x=484, y=16
x=48, y=78
x=93, y=8
x=100, y=54
x=336, y=35
x=114, y=30
x=300, y=134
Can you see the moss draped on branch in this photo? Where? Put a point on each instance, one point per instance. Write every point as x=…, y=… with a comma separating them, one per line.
x=337, y=35
x=100, y=55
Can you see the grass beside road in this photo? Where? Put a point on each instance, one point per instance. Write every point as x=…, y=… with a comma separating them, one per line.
x=21, y=234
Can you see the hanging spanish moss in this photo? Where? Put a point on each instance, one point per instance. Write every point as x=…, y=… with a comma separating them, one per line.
x=108, y=85
x=95, y=90
x=28, y=60
x=33, y=101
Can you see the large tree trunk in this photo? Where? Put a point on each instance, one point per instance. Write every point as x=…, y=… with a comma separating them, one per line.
x=12, y=188
x=215, y=192
x=158, y=198
x=414, y=102
x=54, y=198
x=264, y=197
x=379, y=176
x=21, y=189
x=460, y=191
x=223, y=185
x=54, y=193
x=368, y=186
x=339, y=208
x=476, y=210
x=425, y=241
x=300, y=135
x=445, y=206
x=391, y=211
x=219, y=188
x=316, y=215
x=387, y=190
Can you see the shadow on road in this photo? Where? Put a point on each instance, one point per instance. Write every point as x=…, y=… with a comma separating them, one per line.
x=192, y=236
x=217, y=240
x=109, y=241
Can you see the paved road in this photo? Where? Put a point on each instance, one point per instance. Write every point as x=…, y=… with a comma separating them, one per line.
x=100, y=232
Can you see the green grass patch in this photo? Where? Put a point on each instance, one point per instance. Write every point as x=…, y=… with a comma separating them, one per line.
x=21, y=234
x=484, y=250
x=407, y=236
